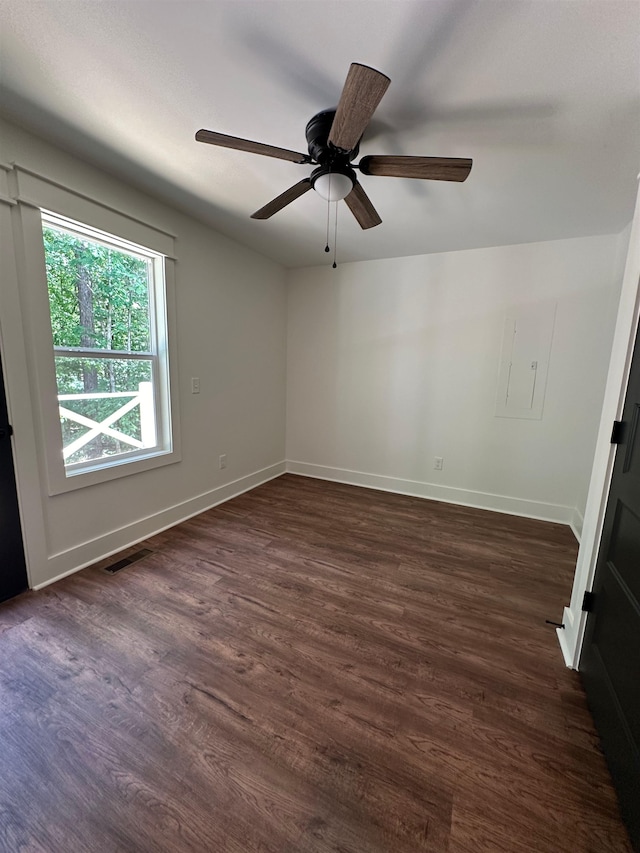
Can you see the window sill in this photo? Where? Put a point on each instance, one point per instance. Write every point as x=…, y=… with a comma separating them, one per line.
x=61, y=482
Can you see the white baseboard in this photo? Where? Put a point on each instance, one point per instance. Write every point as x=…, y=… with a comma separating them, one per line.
x=432, y=491
x=87, y=553
x=564, y=647
x=566, y=636
x=68, y=562
x=571, y=636
x=576, y=524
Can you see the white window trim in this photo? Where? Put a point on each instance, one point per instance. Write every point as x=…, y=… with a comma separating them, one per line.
x=34, y=295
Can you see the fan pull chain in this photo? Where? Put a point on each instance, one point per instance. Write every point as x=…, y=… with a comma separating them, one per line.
x=335, y=238
x=326, y=248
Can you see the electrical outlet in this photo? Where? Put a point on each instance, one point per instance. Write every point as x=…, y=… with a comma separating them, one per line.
x=438, y=462
x=195, y=384
x=222, y=461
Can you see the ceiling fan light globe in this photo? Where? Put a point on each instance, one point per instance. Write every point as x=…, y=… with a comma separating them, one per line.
x=333, y=186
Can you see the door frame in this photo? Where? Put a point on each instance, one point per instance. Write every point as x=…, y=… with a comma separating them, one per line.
x=13, y=489
x=571, y=637
x=18, y=390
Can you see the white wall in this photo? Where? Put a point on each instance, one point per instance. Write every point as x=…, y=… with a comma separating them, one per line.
x=393, y=362
x=231, y=313
x=626, y=330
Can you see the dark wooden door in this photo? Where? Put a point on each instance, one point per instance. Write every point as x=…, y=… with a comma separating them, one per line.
x=610, y=659
x=13, y=572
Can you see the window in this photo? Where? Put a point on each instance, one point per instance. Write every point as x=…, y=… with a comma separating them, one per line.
x=109, y=326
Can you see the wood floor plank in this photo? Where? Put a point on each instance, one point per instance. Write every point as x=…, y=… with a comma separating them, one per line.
x=310, y=667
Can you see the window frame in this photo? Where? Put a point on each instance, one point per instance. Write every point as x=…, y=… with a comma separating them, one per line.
x=156, y=354
x=59, y=477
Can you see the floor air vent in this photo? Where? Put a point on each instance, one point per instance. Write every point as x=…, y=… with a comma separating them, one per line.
x=132, y=558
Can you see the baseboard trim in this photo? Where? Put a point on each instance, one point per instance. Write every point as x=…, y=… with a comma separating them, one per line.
x=568, y=637
x=432, y=491
x=87, y=553
x=577, y=521
x=564, y=648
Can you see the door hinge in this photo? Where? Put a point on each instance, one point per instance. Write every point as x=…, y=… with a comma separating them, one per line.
x=587, y=602
x=616, y=432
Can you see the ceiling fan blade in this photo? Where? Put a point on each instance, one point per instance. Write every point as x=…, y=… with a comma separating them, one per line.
x=362, y=92
x=361, y=207
x=239, y=144
x=283, y=200
x=427, y=168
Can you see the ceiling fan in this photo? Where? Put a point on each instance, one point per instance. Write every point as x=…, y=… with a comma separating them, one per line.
x=333, y=138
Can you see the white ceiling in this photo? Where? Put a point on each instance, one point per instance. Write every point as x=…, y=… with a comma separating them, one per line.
x=543, y=95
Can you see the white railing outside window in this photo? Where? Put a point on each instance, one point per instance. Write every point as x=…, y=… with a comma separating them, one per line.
x=143, y=398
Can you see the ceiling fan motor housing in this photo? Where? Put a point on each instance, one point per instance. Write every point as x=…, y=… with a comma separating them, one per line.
x=317, y=133
x=331, y=160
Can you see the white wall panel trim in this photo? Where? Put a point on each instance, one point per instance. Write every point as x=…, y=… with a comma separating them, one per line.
x=79, y=194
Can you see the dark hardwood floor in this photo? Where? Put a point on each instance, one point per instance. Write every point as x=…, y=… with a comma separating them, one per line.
x=310, y=667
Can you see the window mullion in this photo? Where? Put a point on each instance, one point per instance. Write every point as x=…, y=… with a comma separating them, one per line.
x=79, y=352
